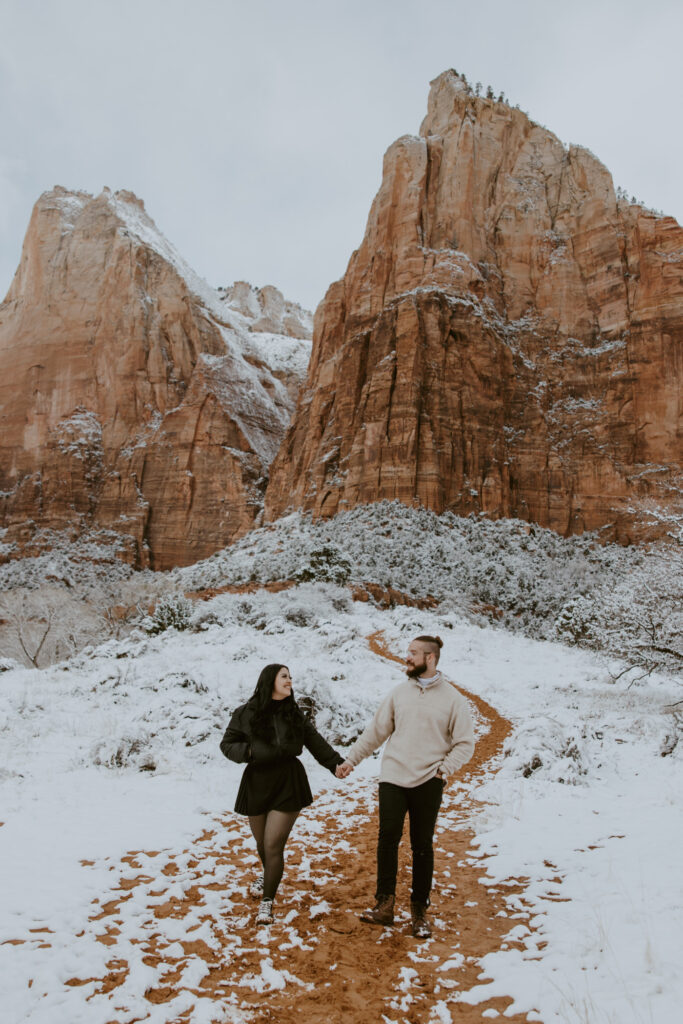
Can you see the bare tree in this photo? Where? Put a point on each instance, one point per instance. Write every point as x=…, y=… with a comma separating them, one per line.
x=42, y=626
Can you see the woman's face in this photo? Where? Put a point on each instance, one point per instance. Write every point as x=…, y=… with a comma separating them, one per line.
x=282, y=686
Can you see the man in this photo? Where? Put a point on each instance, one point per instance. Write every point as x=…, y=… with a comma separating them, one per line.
x=428, y=726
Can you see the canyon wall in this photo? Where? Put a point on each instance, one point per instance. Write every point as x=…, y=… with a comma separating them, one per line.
x=508, y=339
x=137, y=404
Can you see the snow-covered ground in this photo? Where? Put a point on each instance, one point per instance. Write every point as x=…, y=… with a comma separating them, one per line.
x=117, y=750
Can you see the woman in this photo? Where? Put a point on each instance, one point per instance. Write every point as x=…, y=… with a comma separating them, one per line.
x=268, y=732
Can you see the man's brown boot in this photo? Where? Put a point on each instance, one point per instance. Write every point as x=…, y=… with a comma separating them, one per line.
x=422, y=929
x=382, y=912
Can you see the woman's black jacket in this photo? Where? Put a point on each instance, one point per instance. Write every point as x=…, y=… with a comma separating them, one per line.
x=289, y=736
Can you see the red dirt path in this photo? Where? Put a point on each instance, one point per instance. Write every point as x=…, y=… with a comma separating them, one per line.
x=340, y=971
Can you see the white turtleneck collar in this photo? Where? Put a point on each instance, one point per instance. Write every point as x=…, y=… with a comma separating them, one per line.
x=424, y=684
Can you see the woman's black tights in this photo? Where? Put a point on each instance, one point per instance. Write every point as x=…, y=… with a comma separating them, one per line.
x=270, y=831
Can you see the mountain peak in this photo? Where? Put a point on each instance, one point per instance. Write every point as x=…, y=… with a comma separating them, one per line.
x=506, y=338
x=134, y=401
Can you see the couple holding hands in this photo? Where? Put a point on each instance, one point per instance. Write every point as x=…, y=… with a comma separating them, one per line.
x=427, y=727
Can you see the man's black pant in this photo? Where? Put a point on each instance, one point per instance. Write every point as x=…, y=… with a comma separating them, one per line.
x=422, y=804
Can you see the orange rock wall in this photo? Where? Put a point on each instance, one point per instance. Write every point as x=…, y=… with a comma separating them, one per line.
x=508, y=338
x=127, y=405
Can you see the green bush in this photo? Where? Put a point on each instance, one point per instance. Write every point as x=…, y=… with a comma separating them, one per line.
x=172, y=612
x=325, y=565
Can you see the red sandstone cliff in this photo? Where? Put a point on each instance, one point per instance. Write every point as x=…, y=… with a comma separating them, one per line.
x=134, y=400
x=508, y=338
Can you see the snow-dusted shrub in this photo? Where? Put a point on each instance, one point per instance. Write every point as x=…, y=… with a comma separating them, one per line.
x=301, y=616
x=125, y=752
x=87, y=563
x=275, y=625
x=307, y=606
x=312, y=603
x=184, y=681
x=326, y=565
x=578, y=622
x=245, y=610
x=206, y=614
x=261, y=611
x=172, y=612
x=153, y=718
x=672, y=742
x=548, y=748
x=8, y=664
x=340, y=720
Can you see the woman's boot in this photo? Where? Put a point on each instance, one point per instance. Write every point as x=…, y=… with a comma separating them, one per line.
x=265, y=912
x=256, y=888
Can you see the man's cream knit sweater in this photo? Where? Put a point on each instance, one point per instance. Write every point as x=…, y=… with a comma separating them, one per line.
x=427, y=730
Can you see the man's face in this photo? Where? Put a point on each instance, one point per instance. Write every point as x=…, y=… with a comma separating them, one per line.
x=416, y=660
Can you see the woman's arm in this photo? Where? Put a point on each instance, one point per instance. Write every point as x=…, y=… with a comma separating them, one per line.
x=324, y=754
x=235, y=743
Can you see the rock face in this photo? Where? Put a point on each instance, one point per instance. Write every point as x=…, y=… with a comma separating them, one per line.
x=507, y=339
x=134, y=400
x=268, y=311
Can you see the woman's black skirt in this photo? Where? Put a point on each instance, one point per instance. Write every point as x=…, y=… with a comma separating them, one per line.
x=280, y=785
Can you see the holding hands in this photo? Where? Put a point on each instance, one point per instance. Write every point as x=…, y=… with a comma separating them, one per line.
x=342, y=770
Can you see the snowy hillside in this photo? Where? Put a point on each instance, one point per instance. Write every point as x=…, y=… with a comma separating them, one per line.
x=117, y=808
x=625, y=602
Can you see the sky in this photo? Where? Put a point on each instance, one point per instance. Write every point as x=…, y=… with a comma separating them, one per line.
x=254, y=129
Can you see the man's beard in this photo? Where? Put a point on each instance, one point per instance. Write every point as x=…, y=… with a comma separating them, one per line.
x=416, y=670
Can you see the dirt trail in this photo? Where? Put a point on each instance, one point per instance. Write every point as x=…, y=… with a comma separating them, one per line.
x=318, y=964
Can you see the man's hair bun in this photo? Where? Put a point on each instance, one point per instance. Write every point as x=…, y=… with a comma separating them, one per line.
x=435, y=642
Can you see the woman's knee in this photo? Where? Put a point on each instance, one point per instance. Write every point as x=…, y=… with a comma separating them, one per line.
x=274, y=847
x=275, y=838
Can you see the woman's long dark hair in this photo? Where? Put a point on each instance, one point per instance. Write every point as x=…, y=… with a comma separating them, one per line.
x=262, y=721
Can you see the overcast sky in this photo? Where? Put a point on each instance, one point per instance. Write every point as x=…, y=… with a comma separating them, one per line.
x=254, y=131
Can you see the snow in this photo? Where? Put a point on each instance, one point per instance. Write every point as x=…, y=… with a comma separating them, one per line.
x=80, y=435
x=117, y=750
x=137, y=222
x=263, y=310
x=261, y=416
x=282, y=354
x=69, y=204
x=84, y=563
x=322, y=907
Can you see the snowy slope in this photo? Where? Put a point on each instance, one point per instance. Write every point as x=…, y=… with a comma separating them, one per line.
x=627, y=601
x=117, y=750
